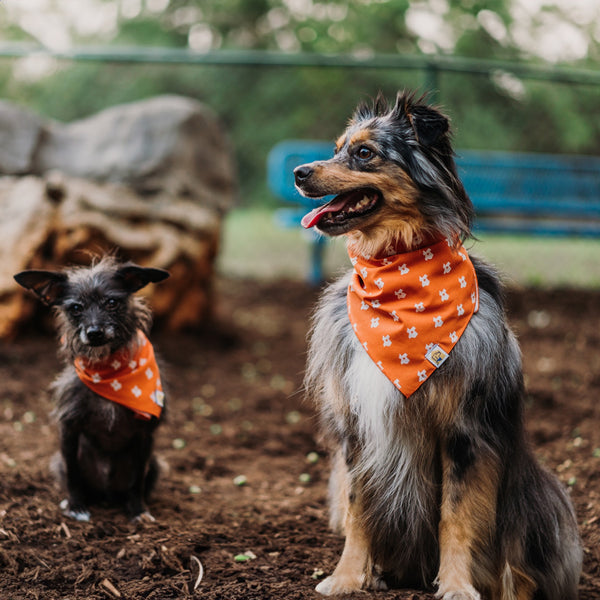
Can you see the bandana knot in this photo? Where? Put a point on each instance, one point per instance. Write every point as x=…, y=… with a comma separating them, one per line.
x=129, y=379
x=409, y=310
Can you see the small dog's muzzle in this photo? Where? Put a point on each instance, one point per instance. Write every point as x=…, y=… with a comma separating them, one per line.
x=95, y=336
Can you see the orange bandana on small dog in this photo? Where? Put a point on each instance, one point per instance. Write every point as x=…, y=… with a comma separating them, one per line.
x=409, y=310
x=130, y=380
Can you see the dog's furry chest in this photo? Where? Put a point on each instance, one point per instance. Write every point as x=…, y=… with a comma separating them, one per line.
x=387, y=442
x=106, y=424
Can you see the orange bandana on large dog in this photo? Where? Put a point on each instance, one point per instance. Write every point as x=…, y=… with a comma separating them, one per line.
x=130, y=380
x=409, y=310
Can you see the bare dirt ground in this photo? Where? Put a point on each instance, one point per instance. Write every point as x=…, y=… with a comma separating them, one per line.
x=235, y=410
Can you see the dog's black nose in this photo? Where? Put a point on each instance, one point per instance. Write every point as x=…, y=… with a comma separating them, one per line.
x=302, y=173
x=95, y=335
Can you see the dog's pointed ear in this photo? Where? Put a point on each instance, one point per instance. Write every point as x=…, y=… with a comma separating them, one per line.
x=427, y=123
x=134, y=278
x=49, y=286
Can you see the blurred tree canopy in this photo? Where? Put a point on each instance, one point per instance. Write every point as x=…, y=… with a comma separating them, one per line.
x=260, y=106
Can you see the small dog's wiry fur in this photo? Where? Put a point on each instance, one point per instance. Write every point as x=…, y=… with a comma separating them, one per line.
x=440, y=487
x=105, y=450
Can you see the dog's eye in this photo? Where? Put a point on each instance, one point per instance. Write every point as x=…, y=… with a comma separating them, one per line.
x=75, y=309
x=111, y=303
x=365, y=153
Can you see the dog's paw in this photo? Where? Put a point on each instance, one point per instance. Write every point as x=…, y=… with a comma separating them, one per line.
x=467, y=593
x=338, y=584
x=77, y=512
x=143, y=518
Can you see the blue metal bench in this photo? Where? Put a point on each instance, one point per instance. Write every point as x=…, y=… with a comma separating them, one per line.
x=534, y=194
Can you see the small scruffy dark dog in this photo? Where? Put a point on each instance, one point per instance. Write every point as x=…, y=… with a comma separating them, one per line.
x=419, y=383
x=109, y=397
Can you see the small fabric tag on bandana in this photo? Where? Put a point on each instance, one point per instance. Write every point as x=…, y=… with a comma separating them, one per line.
x=436, y=356
x=129, y=379
x=409, y=310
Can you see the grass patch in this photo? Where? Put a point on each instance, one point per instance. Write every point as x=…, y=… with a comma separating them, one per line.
x=255, y=246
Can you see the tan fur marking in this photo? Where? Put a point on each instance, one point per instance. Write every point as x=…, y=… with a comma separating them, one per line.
x=467, y=522
x=524, y=586
x=443, y=400
x=360, y=137
x=353, y=571
x=339, y=492
x=514, y=584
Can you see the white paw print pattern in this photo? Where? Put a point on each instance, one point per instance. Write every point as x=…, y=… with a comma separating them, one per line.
x=376, y=304
x=422, y=375
x=379, y=283
x=424, y=280
x=404, y=360
x=412, y=332
x=400, y=294
x=419, y=307
x=428, y=254
x=447, y=267
x=444, y=295
x=116, y=385
x=437, y=321
x=135, y=390
x=404, y=270
x=463, y=282
x=454, y=337
x=374, y=322
x=460, y=310
x=386, y=341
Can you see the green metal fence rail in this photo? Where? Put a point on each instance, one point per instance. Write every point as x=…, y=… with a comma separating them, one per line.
x=431, y=65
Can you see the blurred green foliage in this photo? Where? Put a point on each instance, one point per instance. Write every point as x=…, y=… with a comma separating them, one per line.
x=260, y=106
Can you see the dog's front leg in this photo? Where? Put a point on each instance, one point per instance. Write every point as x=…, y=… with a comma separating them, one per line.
x=75, y=506
x=354, y=570
x=136, y=508
x=468, y=513
x=354, y=567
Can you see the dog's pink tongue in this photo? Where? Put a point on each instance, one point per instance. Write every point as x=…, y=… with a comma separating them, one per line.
x=314, y=216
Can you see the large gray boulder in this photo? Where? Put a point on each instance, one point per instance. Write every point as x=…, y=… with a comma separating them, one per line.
x=167, y=143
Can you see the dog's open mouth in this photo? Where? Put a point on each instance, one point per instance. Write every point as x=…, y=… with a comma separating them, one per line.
x=343, y=209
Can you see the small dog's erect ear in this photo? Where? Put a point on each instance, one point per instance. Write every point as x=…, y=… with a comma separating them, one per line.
x=134, y=278
x=50, y=286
